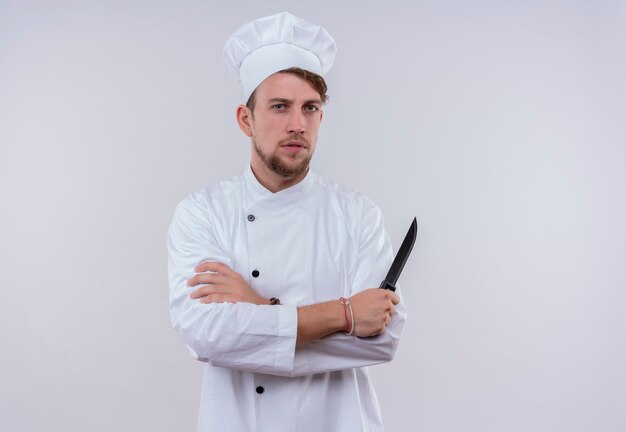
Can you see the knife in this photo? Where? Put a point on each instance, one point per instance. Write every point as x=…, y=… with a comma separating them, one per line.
x=401, y=257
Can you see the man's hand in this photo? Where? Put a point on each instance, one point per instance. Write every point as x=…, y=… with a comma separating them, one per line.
x=372, y=310
x=223, y=285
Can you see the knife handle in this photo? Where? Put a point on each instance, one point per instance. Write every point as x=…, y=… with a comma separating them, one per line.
x=387, y=285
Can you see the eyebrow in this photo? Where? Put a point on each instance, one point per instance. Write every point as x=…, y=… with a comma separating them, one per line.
x=289, y=101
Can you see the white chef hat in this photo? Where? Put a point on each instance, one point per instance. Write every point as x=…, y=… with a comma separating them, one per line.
x=267, y=45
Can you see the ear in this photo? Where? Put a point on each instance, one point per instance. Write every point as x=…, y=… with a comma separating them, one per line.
x=244, y=116
x=321, y=115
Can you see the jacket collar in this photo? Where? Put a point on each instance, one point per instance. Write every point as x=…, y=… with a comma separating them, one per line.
x=258, y=192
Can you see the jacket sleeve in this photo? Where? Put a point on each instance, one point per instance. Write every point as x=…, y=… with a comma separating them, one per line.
x=340, y=351
x=240, y=336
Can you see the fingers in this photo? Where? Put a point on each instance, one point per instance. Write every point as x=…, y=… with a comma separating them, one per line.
x=207, y=290
x=376, y=294
x=217, y=283
x=374, y=309
x=395, y=298
x=215, y=267
x=391, y=296
x=206, y=278
x=211, y=273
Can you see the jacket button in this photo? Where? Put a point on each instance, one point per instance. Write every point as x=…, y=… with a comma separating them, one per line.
x=255, y=273
x=260, y=390
x=251, y=217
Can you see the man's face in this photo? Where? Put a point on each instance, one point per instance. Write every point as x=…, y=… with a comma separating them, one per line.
x=284, y=126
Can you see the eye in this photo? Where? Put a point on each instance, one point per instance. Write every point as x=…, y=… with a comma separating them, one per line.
x=311, y=108
x=278, y=107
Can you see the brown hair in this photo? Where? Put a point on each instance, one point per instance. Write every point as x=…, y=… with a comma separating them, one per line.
x=314, y=80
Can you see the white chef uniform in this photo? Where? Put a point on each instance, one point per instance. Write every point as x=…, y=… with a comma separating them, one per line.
x=313, y=242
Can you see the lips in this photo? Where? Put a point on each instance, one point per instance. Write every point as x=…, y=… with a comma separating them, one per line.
x=294, y=140
x=294, y=147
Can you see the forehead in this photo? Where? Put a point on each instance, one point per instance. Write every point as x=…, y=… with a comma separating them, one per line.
x=285, y=86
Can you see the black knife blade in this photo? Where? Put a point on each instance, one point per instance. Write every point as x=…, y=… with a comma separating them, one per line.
x=401, y=257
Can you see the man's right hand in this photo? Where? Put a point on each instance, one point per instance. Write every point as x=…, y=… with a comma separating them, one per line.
x=372, y=310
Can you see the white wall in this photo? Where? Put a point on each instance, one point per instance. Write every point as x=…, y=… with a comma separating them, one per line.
x=500, y=125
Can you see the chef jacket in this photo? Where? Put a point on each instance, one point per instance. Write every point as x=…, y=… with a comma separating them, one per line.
x=313, y=242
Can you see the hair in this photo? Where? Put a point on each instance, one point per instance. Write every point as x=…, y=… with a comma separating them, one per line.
x=314, y=80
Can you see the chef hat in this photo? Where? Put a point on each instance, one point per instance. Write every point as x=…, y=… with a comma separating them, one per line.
x=267, y=45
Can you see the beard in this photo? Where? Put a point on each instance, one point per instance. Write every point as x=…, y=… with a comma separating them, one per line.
x=276, y=164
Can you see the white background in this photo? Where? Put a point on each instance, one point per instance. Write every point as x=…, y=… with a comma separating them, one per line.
x=500, y=125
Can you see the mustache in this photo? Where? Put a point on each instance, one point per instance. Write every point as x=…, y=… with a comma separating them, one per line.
x=295, y=137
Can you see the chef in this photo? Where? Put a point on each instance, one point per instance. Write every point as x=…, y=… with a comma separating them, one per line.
x=273, y=272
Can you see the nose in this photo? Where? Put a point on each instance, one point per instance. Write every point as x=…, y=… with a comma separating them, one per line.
x=296, y=122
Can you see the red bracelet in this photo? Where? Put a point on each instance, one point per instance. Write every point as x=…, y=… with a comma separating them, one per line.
x=344, y=302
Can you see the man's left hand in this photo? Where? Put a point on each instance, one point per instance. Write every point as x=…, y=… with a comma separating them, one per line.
x=222, y=284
